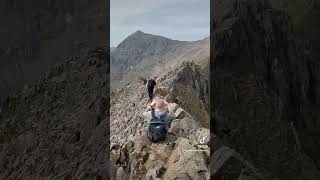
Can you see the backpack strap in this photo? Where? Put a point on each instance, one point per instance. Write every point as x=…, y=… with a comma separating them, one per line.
x=162, y=117
x=158, y=122
x=152, y=112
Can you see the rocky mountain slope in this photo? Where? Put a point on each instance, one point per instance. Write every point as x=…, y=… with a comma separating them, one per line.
x=305, y=19
x=132, y=153
x=36, y=35
x=182, y=155
x=265, y=89
x=149, y=55
x=57, y=128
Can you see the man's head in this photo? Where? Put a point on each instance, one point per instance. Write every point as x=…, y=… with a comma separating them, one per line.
x=159, y=104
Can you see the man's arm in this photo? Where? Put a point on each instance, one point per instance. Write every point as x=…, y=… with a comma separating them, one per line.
x=147, y=114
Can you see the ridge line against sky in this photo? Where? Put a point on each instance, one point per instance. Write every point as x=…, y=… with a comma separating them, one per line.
x=184, y=20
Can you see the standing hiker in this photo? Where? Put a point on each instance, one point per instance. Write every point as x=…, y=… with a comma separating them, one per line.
x=151, y=83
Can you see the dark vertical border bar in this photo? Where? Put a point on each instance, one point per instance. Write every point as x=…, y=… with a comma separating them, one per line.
x=108, y=62
x=211, y=87
x=108, y=110
x=55, y=32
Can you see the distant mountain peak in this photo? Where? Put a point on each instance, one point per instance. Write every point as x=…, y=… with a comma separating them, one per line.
x=139, y=32
x=145, y=40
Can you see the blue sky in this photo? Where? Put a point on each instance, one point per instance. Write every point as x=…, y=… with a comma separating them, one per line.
x=186, y=20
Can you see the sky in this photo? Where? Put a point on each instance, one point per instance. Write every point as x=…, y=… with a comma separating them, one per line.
x=185, y=20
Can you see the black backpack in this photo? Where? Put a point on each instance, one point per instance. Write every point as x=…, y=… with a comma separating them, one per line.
x=157, y=130
x=151, y=83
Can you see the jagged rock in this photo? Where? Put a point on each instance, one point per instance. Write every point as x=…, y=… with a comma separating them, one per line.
x=60, y=120
x=173, y=106
x=161, y=91
x=92, y=62
x=181, y=113
x=122, y=158
x=114, y=146
x=147, y=160
x=141, y=141
x=165, y=149
x=51, y=41
x=245, y=177
x=186, y=162
x=155, y=169
x=230, y=165
x=183, y=127
x=308, y=168
x=262, y=84
x=201, y=136
x=3, y=160
x=121, y=174
x=189, y=88
x=25, y=141
x=170, y=98
x=143, y=80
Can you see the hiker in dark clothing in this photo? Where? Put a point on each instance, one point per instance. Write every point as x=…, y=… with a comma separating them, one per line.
x=151, y=83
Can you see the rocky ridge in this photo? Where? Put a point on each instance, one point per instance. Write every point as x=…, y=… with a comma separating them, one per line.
x=150, y=55
x=39, y=34
x=56, y=128
x=134, y=156
x=181, y=155
x=266, y=89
